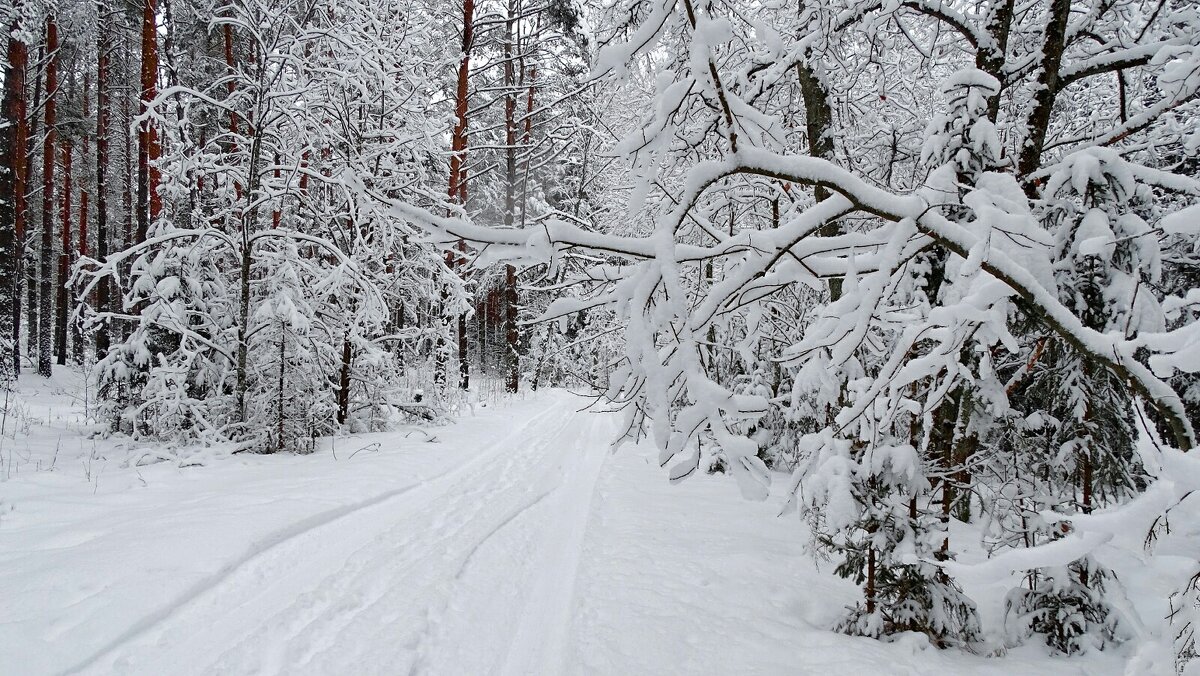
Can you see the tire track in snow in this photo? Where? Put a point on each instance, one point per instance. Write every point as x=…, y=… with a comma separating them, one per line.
x=512, y=608
x=540, y=642
x=386, y=631
x=302, y=529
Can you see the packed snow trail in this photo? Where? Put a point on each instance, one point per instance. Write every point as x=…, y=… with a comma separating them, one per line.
x=409, y=583
x=515, y=545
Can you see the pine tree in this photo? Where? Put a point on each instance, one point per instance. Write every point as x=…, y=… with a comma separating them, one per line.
x=12, y=191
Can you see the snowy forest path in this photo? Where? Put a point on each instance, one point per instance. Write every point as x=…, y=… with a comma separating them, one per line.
x=404, y=583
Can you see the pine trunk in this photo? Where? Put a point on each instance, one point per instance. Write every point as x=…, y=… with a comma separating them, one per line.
x=149, y=203
x=511, y=358
x=45, y=325
x=12, y=197
x=128, y=190
x=457, y=190
x=28, y=258
x=103, y=287
x=82, y=250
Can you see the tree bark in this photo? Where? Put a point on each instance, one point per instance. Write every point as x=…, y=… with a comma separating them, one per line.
x=343, y=395
x=46, y=292
x=128, y=189
x=64, y=259
x=279, y=430
x=249, y=220
x=991, y=59
x=818, y=120
x=511, y=358
x=103, y=339
x=30, y=265
x=457, y=190
x=1038, y=124
x=276, y=214
x=12, y=197
x=149, y=201
x=82, y=250
x=231, y=88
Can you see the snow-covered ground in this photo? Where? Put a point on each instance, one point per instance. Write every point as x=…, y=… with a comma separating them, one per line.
x=512, y=542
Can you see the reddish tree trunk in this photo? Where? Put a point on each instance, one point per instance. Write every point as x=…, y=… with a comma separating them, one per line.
x=149, y=201
x=12, y=196
x=458, y=140
x=457, y=189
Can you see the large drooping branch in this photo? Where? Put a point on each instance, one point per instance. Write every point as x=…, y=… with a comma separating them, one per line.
x=542, y=243
x=1110, y=353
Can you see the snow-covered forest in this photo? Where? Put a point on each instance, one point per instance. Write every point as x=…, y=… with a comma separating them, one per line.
x=899, y=302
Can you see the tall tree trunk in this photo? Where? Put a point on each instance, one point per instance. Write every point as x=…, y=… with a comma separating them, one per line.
x=231, y=88
x=458, y=139
x=527, y=142
x=82, y=249
x=149, y=201
x=31, y=265
x=243, y=345
x=818, y=117
x=12, y=198
x=511, y=358
x=103, y=285
x=249, y=221
x=457, y=192
x=64, y=258
x=128, y=178
x=45, y=327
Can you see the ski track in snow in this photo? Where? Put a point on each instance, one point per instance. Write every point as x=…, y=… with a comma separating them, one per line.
x=520, y=547
x=365, y=589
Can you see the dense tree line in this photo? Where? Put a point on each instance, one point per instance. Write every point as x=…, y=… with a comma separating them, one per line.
x=210, y=240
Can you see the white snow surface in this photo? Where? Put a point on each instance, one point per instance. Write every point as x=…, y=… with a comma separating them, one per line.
x=515, y=542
